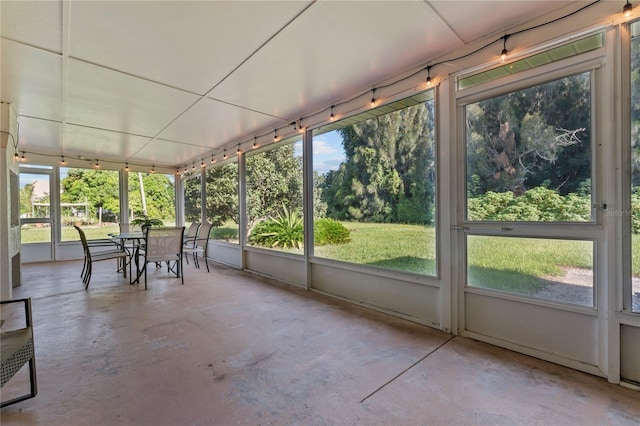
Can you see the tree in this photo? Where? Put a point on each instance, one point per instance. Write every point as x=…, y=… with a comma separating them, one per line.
x=159, y=192
x=526, y=138
x=274, y=180
x=388, y=175
x=26, y=198
x=97, y=187
x=222, y=194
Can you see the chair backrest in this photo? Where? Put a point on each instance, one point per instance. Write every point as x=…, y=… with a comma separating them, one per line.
x=192, y=232
x=163, y=243
x=203, y=234
x=83, y=238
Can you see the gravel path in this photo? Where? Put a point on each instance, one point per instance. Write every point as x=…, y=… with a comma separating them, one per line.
x=576, y=287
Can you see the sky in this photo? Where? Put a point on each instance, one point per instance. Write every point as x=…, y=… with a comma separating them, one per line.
x=327, y=152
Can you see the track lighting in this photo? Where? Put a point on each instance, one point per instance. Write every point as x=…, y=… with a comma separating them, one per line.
x=626, y=9
x=505, y=52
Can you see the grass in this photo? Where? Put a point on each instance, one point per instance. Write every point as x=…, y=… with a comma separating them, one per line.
x=512, y=264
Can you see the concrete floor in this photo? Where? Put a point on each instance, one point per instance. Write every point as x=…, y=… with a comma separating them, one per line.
x=232, y=348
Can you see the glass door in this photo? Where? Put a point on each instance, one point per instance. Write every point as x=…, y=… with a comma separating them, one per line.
x=529, y=227
x=36, y=213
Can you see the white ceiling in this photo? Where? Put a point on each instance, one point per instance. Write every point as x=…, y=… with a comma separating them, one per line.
x=168, y=82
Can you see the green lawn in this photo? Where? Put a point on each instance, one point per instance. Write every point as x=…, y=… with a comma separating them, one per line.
x=412, y=248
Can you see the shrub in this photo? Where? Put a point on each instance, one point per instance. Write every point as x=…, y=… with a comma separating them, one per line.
x=285, y=231
x=330, y=231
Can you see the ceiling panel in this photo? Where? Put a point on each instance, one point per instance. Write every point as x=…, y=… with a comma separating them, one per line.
x=107, y=99
x=189, y=45
x=335, y=49
x=105, y=145
x=32, y=91
x=169, y=153
x=482, y=18
x=36, y=23
x=211, y=124
x=41, y=136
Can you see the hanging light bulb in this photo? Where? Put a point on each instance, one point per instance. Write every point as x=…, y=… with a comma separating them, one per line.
x=185, y=168
x=255, y=143
x=177, y=171
x=202, y=163
x=212, y=159
x=97, y=165
x=429, y=82
x=126, y=167
x=373, y=98
x=626, y=9
x=62, y=161
x=332, y=117
x=300, y=128
x=238, y=151
x=224, y=154
x=153, y=168
x=505, y=52
x=16, y=156
x=275, y=135
x=193, y=165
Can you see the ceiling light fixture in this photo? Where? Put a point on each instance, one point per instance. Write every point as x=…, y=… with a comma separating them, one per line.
x=275, y=135
x=626, y=9
x=300, y=128
x=97, y=165
x=332, y=117
x=126, y=167
x=373, y=97
x=177, y=171
x=153, y=168
x=238, y=151
x=505, y=52
x=62, y=161
x=255, y=142
x=202, y=163
x=429, y=76
x=193, y=165
x=16, y=156
x=213, y=160
x=224, y=154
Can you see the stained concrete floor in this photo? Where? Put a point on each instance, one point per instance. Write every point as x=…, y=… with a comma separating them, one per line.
x=232, y=348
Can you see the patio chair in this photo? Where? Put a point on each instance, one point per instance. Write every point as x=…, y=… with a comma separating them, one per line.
x=163, y=245
x=17, y=349
x=201, y=245
x=191, y=236
x=99, y=250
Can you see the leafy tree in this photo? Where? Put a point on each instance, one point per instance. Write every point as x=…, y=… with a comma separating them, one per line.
x=274, y=180
x=159, y=193
x=521, y=139
x=388, y=175
x=192, y=199
x=222, y=194
x=26, y=198
x=97, y=187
